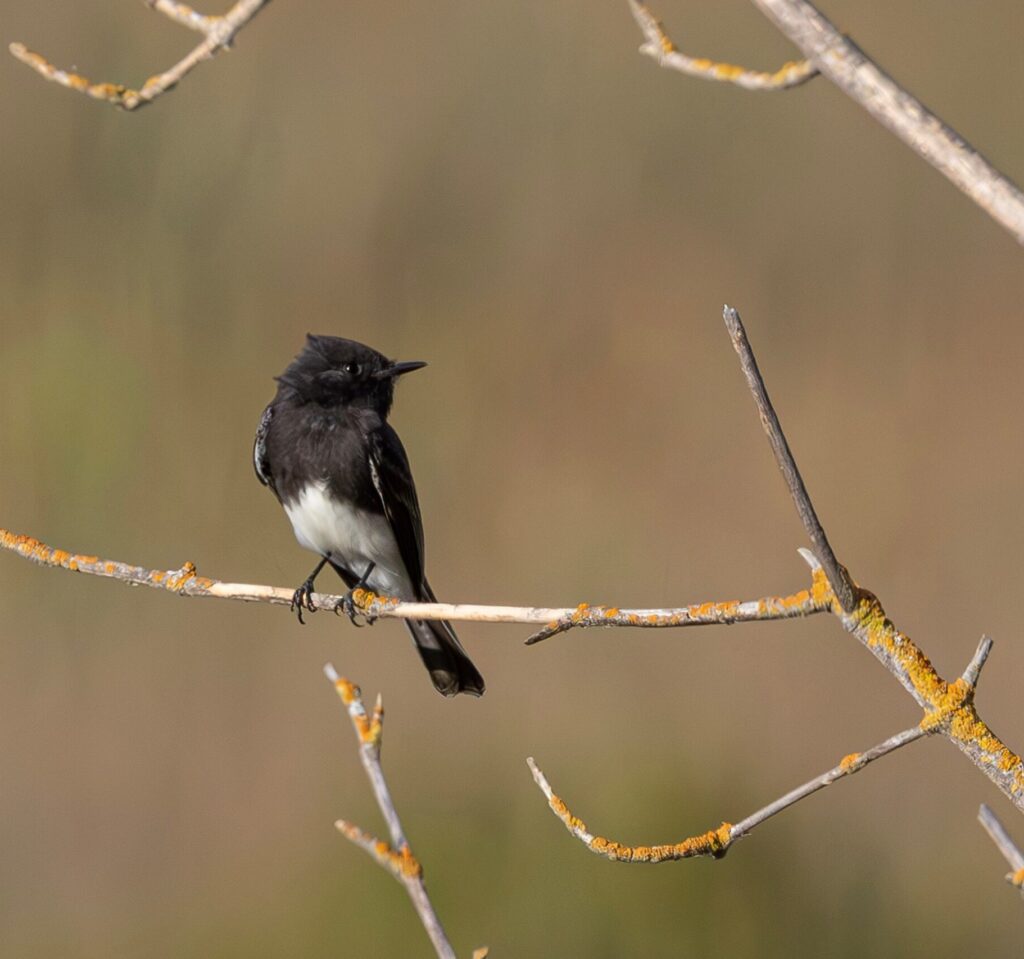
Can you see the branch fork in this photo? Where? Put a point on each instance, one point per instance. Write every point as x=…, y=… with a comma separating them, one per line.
x=396, y=857
x=218, y=34
x=840, y=60
x=949, y=708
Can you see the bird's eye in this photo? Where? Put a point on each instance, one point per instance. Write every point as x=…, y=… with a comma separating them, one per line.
x=351, y=368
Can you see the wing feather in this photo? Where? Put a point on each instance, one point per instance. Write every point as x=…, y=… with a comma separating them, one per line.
x=389, y=468
x=260, y=457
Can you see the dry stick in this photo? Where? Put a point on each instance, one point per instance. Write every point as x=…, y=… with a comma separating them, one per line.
x=860, y=78
x=186, y=582
x=948, y=707
x=850, y=69
x=839, y=578
x=660, y=48
x=1011, y=852
x=396, y=858
x=218, y=33
x=717, y=842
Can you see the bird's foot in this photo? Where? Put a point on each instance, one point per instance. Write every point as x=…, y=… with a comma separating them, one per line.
x=302, y=598
x=353, y=610
x=347, y=603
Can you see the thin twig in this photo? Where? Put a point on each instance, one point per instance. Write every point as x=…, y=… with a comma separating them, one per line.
x=218, y=34
x=183, y=14
x=717, y=842
x=859, y=77
x=396, y=857
x=186, y=582
x=978, y=660
x=1010, y=850
x=664, y=52
x=842, y=585
x=949, y=708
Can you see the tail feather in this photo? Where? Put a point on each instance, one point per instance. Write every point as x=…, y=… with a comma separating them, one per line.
x=451, y=670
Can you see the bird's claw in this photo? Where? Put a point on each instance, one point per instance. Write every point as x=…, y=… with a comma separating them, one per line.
x=302, y=598
x=348, y=606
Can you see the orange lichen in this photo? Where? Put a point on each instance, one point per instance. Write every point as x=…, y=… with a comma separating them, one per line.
x=368, y=730
x=368, y=601
x=348, y=691
x=573, y=823
x=715, y=843
x=728, y=71
x=176, y=583
x=1017, y=878
x=401, y=863
x=408, y=864
x=821, y=590
x=667, y=46
x=850, y=763
x=870, y=624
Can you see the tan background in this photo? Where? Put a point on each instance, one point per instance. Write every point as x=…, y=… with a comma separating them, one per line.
x=508, y=191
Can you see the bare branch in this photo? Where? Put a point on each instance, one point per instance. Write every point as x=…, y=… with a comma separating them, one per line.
x=396, y=857
x=183, y=14
x=842, y=585
x=860, y=78
x=218, y=33
x=186, y=582
x=717, y=842
x=949, y=708
x=973, y=670
x=664, y=52
x=1011, y=852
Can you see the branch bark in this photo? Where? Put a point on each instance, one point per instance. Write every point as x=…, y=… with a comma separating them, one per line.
x=948, y=708
x=397, y=858
x=1010, y=850
x=218, y=32
x=839, y=59
x=665, y=53
x=717, y=842
x=186, y=582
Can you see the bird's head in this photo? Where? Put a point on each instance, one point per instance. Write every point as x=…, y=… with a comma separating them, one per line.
x=332, y=371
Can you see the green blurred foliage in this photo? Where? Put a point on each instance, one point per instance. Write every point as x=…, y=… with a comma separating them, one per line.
x=510, y=192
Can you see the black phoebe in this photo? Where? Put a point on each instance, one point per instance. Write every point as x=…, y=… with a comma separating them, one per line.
x=325, y=449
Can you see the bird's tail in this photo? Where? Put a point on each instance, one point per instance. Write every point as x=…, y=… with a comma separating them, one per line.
x=451, y=670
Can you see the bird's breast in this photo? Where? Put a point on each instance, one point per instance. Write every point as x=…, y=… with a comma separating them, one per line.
x=354, y=538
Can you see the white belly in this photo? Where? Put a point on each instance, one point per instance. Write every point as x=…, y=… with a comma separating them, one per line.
x=353, y=537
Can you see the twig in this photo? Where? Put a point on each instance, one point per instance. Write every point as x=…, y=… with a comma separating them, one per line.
x=396, y=857
x=951, y=705
x=842, y=585
x=218, y=34
x=1011, y=852
x=664, y=52
x=717, y=842
x=186, y=582
x=949, y=708
x=860, y=78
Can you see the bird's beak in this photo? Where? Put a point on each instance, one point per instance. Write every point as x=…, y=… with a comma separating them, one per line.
x=397, y=369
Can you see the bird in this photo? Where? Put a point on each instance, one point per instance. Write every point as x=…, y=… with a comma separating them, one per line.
x=325, y=449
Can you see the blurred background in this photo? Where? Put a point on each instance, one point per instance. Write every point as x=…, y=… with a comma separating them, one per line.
x=511, y=192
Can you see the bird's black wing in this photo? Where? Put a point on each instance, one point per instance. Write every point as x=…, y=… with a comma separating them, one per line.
x=260, y=457
x=392, y=477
